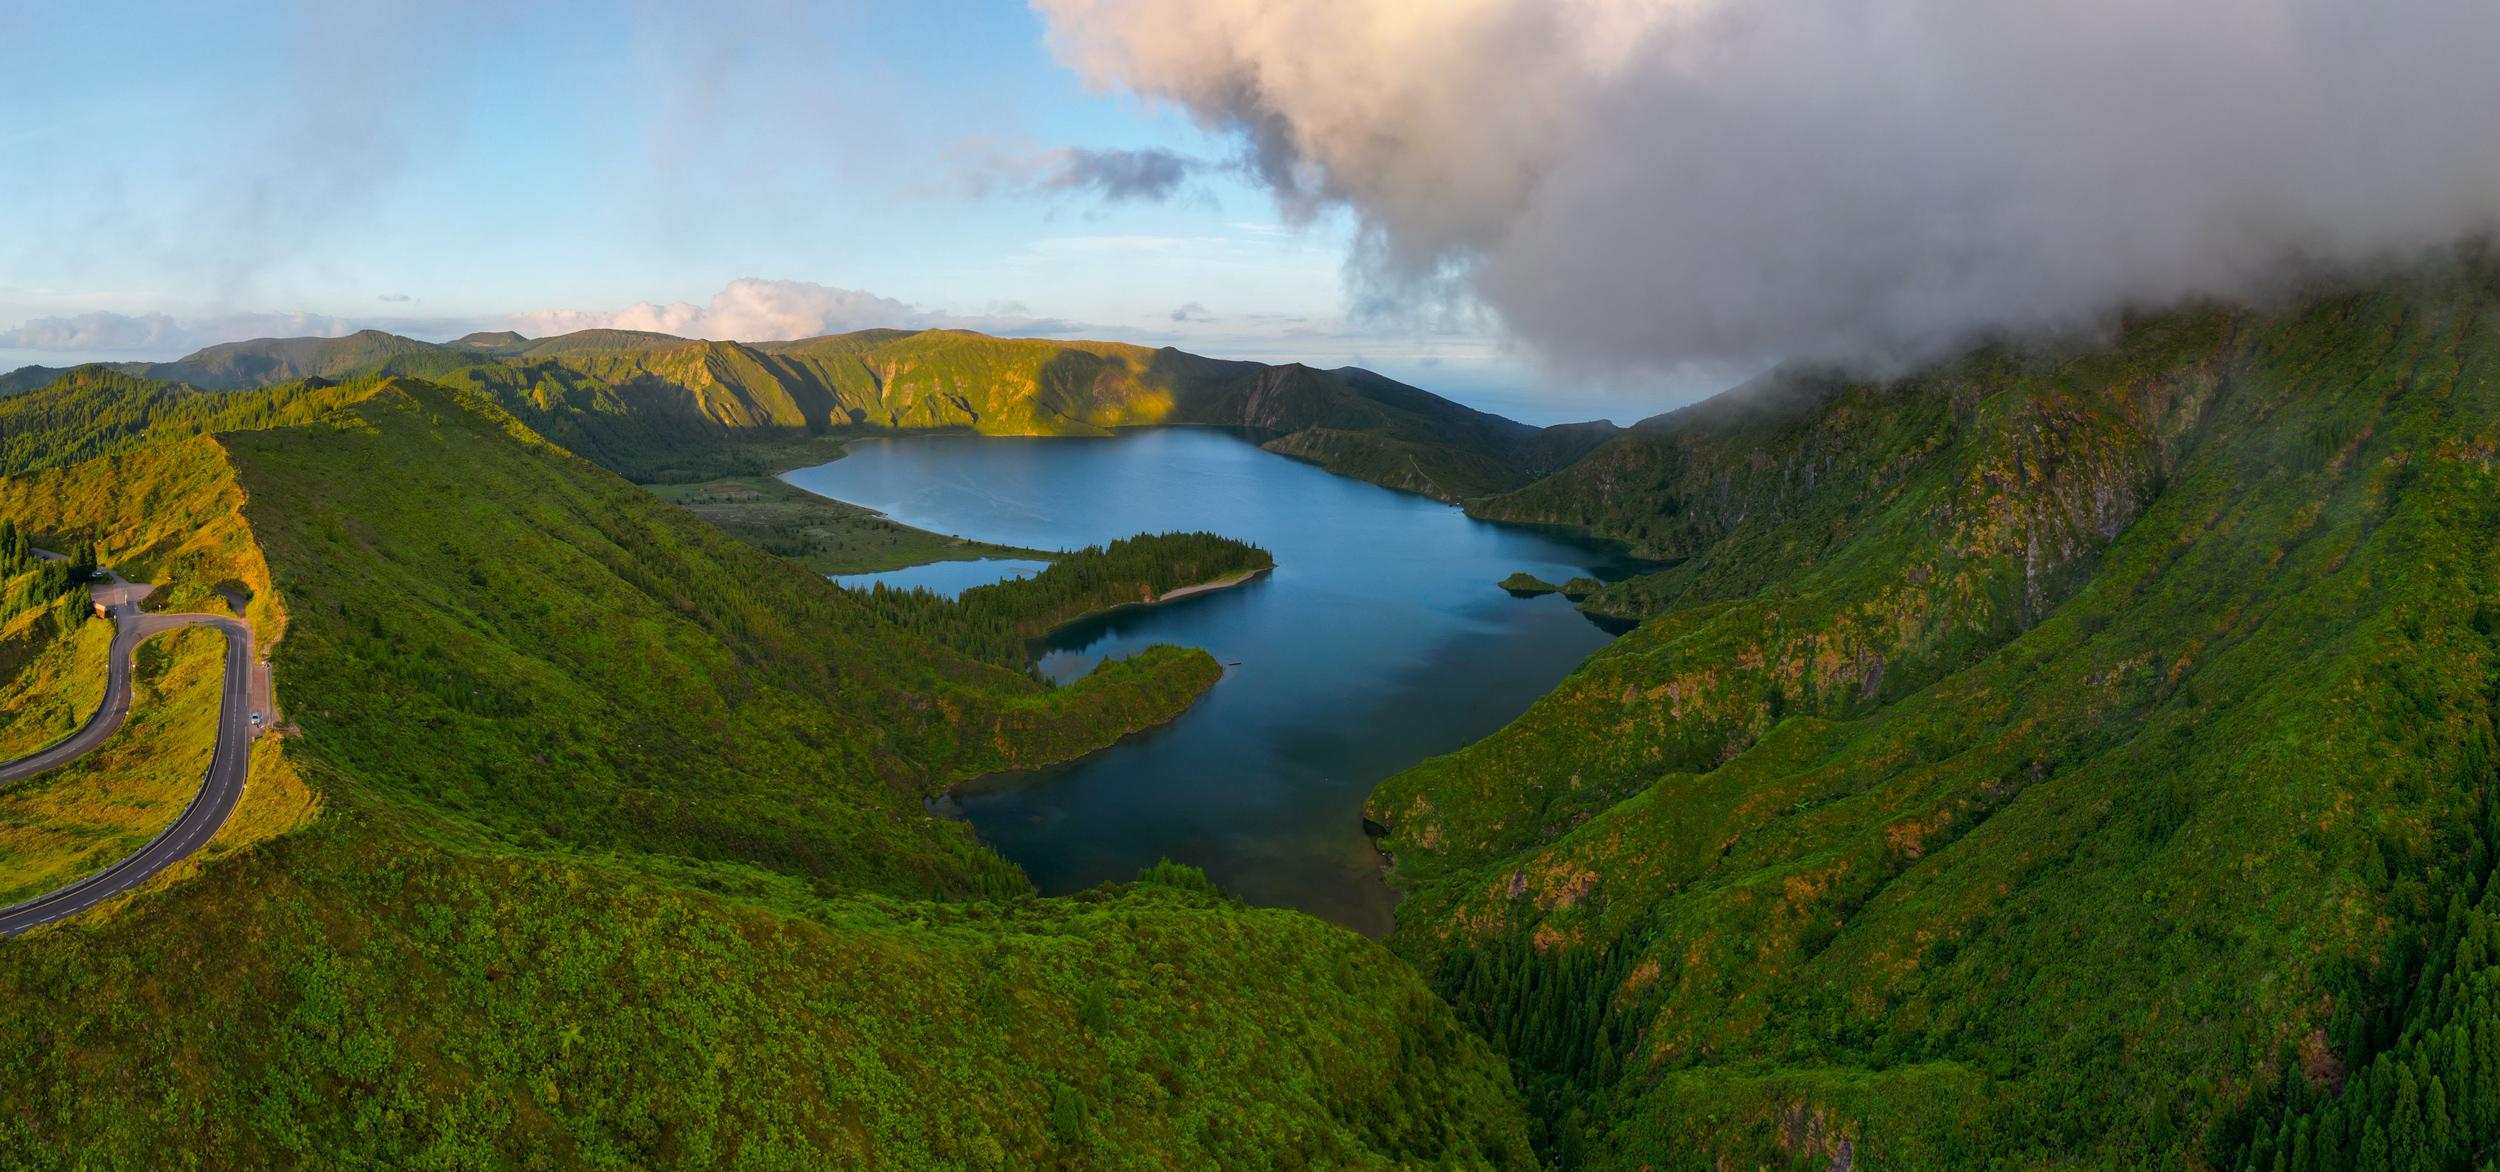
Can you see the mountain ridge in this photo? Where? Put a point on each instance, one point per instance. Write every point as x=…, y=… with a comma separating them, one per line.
x=655, y=406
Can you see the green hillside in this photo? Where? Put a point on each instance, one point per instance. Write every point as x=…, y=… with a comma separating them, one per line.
x=661, y=409
x=52, y=667
x=621, y=858
x=2064, y=756
x=75, y=820
x=95, y=411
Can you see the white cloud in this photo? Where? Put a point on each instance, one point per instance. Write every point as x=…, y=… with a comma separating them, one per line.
x=1645, y=182
x=748, y=310
x=756, y=310
x=157, y=334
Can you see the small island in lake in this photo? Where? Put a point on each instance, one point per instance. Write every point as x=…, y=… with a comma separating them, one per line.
x=1527, y=585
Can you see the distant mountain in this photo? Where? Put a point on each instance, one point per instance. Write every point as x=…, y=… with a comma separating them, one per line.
x=659, y=407
x=27, y=378
x=265, y=361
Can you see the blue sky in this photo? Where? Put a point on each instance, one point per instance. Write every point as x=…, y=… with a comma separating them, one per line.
x=426, y=166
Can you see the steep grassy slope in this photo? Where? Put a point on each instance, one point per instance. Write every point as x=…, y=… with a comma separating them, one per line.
x=622, y=861
x=2063, y=753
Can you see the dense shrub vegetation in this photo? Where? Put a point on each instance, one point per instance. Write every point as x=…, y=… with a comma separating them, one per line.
x=2072, y=755
x=93, y=411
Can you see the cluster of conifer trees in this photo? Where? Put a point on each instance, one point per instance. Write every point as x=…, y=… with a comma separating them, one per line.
x=2428, y=1102
x=1556, y=1014
x=95, y=411
x=33, y=582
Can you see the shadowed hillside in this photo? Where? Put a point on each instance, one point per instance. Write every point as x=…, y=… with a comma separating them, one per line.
x=2063, y=752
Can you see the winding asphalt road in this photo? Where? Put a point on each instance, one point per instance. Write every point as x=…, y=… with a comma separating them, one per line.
x=218, y=793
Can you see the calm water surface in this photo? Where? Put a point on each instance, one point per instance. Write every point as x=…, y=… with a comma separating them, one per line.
x=1380, y=640
x=947, y=578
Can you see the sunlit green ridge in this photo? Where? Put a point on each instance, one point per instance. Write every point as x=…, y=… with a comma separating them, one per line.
x=654, y=407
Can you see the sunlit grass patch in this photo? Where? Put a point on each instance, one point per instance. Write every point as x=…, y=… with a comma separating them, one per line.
x=79, y=818
x=49, y=682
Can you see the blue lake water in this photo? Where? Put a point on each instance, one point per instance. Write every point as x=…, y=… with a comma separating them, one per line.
x=947, y=578
x=1380, y=640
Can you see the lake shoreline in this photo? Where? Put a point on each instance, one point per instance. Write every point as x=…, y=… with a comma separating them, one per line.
x=976, y=783
x=1170, y=596
x=1382, y=650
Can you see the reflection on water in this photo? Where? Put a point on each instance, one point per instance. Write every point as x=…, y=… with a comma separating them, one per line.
x=1381, y=639
x=947, y=578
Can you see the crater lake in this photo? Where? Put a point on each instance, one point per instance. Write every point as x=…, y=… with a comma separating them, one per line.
x=1381, y=639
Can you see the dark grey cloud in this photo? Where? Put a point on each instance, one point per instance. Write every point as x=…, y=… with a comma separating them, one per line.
x=1118, y=176
x=983, y=168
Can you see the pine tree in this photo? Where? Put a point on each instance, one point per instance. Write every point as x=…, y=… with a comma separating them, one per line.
x=2372, y=1154
x=2459, y=1075
x=2486, y=1096
x=2438, y=1139
x=2404, y=1123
